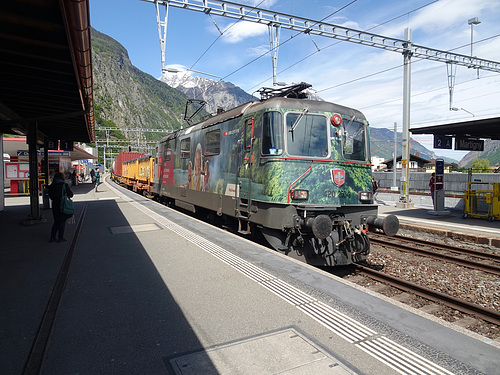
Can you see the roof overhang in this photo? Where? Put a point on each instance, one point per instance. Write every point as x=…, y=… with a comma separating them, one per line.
x=486, y=128
x=12, y=145
x=46, y=69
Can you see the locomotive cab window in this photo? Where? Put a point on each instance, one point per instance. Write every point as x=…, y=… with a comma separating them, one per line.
x=212, y=142
x=354, y=140
x=272, y=134
x=185, y=148
x=307, y=134
x=167, y=150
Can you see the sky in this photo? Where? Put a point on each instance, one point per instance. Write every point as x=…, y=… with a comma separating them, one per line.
x=366, y=78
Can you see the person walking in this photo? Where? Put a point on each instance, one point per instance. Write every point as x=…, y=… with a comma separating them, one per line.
x=73, y=177
x=97, y=176
x=55, y=193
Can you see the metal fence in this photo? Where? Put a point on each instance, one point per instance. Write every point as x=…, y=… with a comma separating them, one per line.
x=454, y=183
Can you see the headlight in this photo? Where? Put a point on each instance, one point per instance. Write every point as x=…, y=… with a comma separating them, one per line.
x=299, y=194
x=365, y=196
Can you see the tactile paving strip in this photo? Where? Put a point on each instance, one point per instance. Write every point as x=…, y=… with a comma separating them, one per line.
x=382, y=348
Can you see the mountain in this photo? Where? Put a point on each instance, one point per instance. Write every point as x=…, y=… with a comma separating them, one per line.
x=226, y=95
x=217, y=94
x=126, y=97
x=491, y=152
x=382, y=145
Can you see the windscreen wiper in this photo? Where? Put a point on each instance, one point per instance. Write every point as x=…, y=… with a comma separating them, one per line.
x=296, y=122
x=350, y=121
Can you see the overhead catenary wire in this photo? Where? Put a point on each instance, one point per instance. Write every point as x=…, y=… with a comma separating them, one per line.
x=422, y=93
x=340, y=41
x=221, y=33
x=427, y=92
x=399, y=66
x=282, y=43
x=253, y=60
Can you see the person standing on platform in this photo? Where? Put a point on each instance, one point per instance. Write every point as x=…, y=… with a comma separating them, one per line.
x=55, y=193
x=73, y=177
x=432, y=183
x=97, y=178
x=375, y=187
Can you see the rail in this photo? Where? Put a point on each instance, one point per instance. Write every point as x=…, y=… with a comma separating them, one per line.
x=433, y=295
x=430, y=250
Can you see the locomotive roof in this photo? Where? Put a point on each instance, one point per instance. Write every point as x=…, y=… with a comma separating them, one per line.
x=299, y=104
x=274, y=103
x=224, y=116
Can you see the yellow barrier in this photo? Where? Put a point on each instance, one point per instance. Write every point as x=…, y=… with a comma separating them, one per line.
x=483, y=203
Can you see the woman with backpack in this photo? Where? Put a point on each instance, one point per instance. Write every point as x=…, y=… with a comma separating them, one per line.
x=56, y=193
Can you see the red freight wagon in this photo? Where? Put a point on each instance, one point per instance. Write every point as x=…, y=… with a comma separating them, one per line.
x=121, y=158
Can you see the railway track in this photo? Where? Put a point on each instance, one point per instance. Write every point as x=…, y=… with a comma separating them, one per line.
x=466, y=307
x=475, y=259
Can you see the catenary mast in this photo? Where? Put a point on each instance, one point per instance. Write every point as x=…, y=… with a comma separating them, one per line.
x=308, y=26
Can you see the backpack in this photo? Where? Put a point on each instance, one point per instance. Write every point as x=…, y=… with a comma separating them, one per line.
x=67, y=206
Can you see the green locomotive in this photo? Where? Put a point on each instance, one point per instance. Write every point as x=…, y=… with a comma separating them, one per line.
x=294, y=169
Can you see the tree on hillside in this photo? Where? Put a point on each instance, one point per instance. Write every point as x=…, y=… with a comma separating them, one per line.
x=481, y=165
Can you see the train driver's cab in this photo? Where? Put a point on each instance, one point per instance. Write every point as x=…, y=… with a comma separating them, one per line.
x=306, y=135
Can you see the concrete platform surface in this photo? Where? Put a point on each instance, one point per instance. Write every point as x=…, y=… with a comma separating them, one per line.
x=144, y=289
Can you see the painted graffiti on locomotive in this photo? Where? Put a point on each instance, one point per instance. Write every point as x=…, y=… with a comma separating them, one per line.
x=206, y=159
x=166, y=163
x=246, y=157
x=338, y=172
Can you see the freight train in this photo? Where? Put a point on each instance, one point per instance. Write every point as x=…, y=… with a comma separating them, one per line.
x=296, y=170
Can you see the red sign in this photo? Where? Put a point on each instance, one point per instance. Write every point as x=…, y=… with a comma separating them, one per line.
x=338, y=176
x=17, y=171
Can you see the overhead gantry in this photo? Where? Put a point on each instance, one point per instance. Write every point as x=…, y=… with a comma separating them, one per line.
x=276, y=21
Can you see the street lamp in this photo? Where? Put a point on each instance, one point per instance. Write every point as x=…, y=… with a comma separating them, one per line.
x=472, y=22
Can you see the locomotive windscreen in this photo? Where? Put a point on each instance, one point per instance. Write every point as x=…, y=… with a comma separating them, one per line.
x=307, y=137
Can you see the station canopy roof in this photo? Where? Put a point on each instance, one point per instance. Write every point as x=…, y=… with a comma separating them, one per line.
x=46, y=69
x=12, y=145
x=486, y=128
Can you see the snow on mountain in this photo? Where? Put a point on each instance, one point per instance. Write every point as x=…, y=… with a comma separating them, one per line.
x=216, y=93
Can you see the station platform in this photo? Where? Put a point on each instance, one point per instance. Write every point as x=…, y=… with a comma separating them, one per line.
x=451, y=224
x=141, y=289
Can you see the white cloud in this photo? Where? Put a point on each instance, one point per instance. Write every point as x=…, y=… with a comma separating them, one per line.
x=445, y=17
x=236, y=32
x=446, y=13
x=259, y=50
